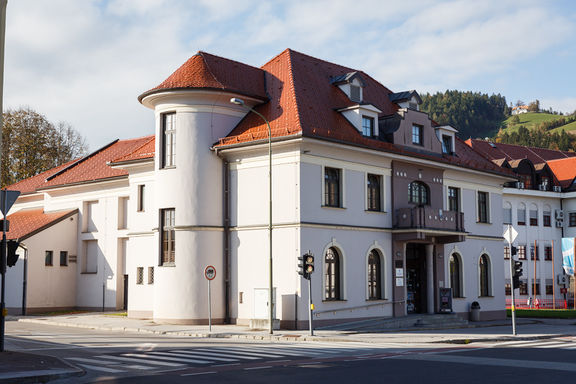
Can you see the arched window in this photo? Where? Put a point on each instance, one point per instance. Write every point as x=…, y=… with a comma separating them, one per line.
x=484, y=276
x=374, y=276
x=455, y=275
x=332, y=274
x=418, y=193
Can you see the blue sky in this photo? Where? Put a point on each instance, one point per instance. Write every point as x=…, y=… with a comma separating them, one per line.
x=86, y=61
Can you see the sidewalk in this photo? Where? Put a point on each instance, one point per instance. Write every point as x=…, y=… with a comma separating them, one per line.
x=25, y=368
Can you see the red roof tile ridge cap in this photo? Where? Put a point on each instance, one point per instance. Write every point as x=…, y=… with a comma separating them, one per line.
x=287, y=50
x=202, y=53
x=295, y=100
x=209, y=69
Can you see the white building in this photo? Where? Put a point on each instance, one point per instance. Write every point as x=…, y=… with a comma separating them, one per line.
x=394, y=207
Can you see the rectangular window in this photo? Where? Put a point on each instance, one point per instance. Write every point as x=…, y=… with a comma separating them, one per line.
x=150, y=275
x=447, y=144
x=523, y=287
x=548, y=252
x=521, y=252
x=507, y=288
x=506, y=252
x=536, y=287
x=48, y=258
x=167, y=237
x=572, y=219
x=483, y=207
x=355, y=93
x=90, y=216
x=533, y=218
x=507, y=217
x=534, y=254
x=168, y=154
x=368, y=126
x=549, y=286
x=546, y=221
x=90, y=257
x=123, y=212
x=140, y=275
x=454, y=199
x=417, y=134
x=141, y=196
x=63, y=258
x=374, y=190
x=332, y=187
x=521, y=216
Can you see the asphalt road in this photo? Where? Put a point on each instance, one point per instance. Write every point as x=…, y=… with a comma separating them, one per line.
x=117, y=357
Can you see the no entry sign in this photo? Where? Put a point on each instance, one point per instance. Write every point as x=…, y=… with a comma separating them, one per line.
x=210, y=272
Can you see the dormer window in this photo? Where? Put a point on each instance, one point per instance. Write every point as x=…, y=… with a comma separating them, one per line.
x=447, y=144
x=417, y=135
x=355, y=93
x=367, y=126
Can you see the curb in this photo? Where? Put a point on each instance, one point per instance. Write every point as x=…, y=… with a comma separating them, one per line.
x=42, y=376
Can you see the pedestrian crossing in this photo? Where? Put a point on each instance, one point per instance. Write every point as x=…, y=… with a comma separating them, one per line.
x=567, y=344
x=180, y=358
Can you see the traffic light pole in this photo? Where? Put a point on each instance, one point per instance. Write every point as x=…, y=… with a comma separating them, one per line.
x=310, y=305
x=3, y=270
x=513, y=309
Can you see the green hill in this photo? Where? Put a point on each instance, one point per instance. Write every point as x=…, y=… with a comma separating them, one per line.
x=530, y=120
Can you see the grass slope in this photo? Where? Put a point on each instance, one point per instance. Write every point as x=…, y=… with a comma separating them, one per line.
x=530, y=120
x=569, y=128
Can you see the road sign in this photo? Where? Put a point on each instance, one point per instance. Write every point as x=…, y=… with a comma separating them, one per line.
x=510, y=234
x=210, y=272
x=7, y=199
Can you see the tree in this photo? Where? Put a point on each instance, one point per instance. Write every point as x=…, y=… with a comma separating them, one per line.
x=519, y=103
x=534, y=106
x=31, y=144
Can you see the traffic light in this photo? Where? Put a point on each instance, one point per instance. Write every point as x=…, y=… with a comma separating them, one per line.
x=306, y=265
x=513, y=251
x=12, y=256
x=516, y=273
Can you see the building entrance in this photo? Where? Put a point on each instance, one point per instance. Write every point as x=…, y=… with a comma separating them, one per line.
x=416, y=278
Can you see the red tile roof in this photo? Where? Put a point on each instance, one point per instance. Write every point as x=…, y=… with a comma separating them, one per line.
x=564, y=170
x=26, y=223
x=497, y=151
x=206, y=71
x=93, y=167
x=144, y=152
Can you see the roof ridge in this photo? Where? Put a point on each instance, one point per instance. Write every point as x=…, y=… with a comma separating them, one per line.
x=225, y=58
x=201, y=54
x=274, y=58
x=149, y=139
x=293, y=90
x=65, y=169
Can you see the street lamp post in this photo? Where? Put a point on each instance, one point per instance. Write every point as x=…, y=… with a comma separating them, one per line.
x=240, y=102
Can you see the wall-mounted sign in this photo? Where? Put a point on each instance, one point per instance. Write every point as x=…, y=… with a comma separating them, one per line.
x=399, y=281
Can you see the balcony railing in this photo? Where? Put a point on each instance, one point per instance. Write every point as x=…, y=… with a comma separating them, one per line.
x=429, y=218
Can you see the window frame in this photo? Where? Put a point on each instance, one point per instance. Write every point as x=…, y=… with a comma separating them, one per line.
x=521, y=252
x=417, y=135
x=370, y=127
x=48, y=258
x=167, y=237
x=374, y=193
x=572, y=219
x=454, y=199
x=141, y=206
x=332, y=275
x=168, y=140
x=374, y=276
x=484, y=276
x=447, y=145
x=548, y=252
x=139, y=275
x=333, y=194
x=547, y=219
x=418, y=193
x=455, y=275
x=63, y=258
x=483, y=205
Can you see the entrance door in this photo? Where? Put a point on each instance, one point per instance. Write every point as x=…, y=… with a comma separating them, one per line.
x=416, y=278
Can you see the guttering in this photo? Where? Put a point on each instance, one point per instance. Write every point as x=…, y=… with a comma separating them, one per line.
x=85, y=182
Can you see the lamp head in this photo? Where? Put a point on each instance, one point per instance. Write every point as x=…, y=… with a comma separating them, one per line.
x=237, y=101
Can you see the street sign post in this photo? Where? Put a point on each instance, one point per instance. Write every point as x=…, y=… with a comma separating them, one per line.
x=209, y=274
x=510, y=235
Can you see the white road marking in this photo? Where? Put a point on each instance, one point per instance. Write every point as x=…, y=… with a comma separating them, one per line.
x=195, y=361
x=139, y=360
x=195, y=355
x=102, y=369
x=199, y=373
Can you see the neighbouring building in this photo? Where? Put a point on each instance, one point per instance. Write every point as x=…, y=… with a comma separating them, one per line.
x=394, y=207
x=541, y=206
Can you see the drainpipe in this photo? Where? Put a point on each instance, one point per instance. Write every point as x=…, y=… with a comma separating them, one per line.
x=226, y=236
x=24, y=279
